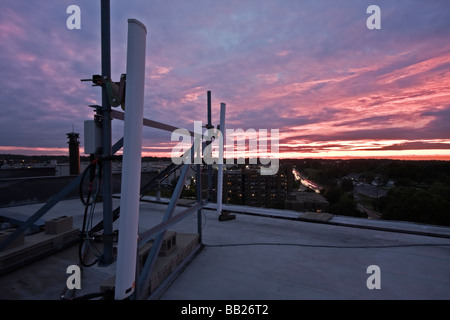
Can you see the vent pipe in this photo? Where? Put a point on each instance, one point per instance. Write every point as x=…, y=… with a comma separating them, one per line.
x=74, y=153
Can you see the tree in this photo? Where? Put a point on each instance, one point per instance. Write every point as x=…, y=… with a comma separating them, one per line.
x=333, y=194
x=417, y=205
x=347, y=185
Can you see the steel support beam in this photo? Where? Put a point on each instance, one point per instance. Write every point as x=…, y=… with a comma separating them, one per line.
x=151, y=259
x=43, y=210
x=147, y=122
x=162, y=227
x=50, y=204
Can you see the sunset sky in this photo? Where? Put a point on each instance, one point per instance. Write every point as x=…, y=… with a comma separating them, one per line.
x=311, y=69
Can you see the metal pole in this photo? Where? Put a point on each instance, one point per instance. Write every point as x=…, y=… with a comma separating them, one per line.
x=209, y=108
x=107, y=257
x=198, y=187
x=220, y=164
x=210, y=171
x=132, y=155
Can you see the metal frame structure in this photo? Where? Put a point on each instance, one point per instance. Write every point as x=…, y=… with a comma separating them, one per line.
x=108, y=256
x=107, y=152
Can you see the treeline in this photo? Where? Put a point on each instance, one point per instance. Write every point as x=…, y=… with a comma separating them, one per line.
x=17, y=158
x=342, y=201
x=420, y=191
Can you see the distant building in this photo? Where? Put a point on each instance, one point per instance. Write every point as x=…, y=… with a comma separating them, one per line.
x=245, y=185
x=354, y=177
x=305, y=201
x=27, y=172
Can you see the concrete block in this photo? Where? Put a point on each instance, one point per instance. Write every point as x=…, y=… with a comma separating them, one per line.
x=59, y=225
x=164, y=265
x=169, y=243
x=143, y=254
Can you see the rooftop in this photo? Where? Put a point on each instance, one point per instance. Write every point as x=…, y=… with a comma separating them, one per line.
x=265, y=254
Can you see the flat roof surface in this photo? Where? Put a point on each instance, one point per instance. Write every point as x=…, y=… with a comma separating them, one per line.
x=257, y=257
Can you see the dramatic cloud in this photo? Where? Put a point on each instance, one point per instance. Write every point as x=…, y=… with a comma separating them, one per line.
x=311, y=69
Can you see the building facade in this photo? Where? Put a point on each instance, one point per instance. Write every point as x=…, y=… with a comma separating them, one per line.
x=244, y=185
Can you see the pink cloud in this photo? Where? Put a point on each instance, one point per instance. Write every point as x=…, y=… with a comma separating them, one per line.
x=310, y=69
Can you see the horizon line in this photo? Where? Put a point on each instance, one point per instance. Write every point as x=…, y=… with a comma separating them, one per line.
x=399, y=157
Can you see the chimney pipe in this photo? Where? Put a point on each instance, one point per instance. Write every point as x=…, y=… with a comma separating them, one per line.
x=74, y=153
